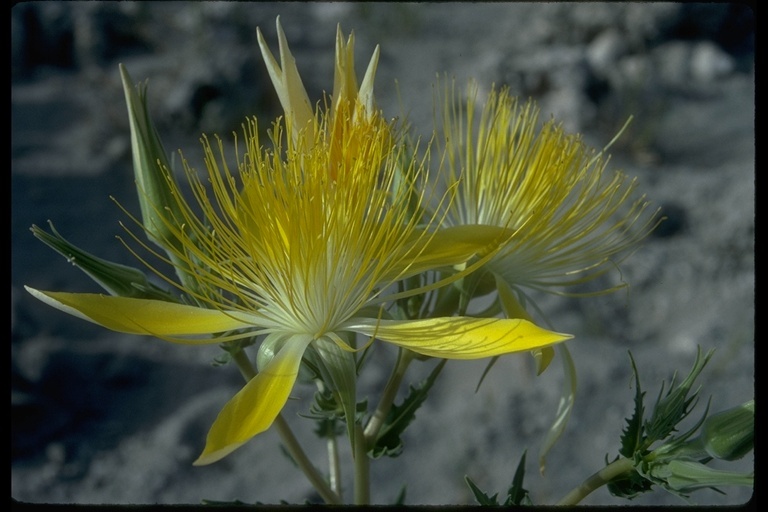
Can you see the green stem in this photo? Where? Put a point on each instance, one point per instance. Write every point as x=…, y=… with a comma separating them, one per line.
x=597, y=480
x=292, y=444
x=374, y=425
x=362, y=468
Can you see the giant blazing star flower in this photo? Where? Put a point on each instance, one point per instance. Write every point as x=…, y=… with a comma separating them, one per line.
x=302, y=247
x=571, y=216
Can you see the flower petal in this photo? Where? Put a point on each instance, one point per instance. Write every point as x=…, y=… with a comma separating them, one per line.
x=365, y=94
x=253, y=409
x=449, y=246
x=286, y=80
x=144, y=316
x=513, y=309
x=461, y=337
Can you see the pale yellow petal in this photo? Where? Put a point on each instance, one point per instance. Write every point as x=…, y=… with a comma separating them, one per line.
x=365, y=94
x=287, y=81
x=144, y=316
x=450, y=246
x=253, y=409
x=461, y=337
x=344, y=78
x=513, y=309
x=273, y=68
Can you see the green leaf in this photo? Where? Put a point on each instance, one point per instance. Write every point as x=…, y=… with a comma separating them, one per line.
x=400, y=498
x=632, y=436
x=400, y=416
x=481, y=498
x=119, y=280
x=517, y=494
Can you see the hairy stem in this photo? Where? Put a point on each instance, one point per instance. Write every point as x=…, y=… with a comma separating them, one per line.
x=597, y=480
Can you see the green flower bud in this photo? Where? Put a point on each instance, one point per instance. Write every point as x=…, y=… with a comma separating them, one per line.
x=683, y=476
x=729, y=435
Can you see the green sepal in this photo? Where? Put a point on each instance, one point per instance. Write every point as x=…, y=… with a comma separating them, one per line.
x=155, y=183
x=119, y=280
x=400, y=416
x=682, y=477
x=629, y=485
x=338, y=372
x=730, y=435
x=327, y=411
x=150, y=165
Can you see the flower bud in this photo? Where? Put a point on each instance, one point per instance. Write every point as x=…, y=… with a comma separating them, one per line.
x=684, y=476
x=729, y=435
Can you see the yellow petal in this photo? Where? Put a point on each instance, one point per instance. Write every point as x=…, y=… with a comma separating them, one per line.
x=452, y=246
x=461, y=337
x=365, y=94
x=513, y=309
x=253, y=409
x=287, y=81
x=144, y=316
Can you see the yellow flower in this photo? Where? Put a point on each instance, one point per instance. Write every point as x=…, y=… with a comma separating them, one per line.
x=571, y=217
x=302, y=248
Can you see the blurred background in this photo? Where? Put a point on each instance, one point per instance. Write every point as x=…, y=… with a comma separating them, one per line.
x=99, y=417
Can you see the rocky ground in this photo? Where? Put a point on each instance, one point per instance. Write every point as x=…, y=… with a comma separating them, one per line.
x=106, y=418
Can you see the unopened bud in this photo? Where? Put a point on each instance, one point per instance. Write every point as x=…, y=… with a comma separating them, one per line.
x=729, y=435
x=685, y=476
